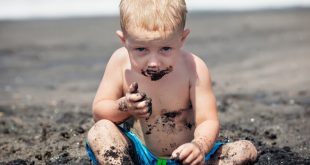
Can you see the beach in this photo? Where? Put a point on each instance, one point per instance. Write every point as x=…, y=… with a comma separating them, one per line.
x=259, y=62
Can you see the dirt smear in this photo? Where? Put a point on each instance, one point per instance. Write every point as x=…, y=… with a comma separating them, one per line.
x=156, y=73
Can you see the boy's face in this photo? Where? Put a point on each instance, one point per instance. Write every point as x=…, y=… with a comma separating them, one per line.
x=154, y=58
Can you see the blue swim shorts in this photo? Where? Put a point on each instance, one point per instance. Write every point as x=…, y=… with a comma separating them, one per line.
x=144, y=156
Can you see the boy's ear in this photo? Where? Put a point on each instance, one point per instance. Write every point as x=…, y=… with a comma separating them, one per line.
x=185, y=34
x=121, y=36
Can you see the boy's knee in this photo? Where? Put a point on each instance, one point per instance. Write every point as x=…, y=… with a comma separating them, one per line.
x=247, y=144
x=104, y=123
x=249, y=147
x=100, y=128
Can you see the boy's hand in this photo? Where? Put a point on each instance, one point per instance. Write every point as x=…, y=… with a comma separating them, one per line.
x=188, y=153
x=136, y=103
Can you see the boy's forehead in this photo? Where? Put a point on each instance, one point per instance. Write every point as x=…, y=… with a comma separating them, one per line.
x=142, y=37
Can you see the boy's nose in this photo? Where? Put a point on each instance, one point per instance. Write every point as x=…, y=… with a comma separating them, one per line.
x=153, y=61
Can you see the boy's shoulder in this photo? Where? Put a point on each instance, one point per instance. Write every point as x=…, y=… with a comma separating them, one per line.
x=194, y=62
x=120, y=54
x=196, y=68
x=119, y=57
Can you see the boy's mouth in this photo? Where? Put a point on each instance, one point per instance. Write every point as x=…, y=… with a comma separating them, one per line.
x=156, y=73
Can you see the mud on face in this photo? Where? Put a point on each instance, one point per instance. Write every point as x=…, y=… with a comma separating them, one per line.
x=156, y=73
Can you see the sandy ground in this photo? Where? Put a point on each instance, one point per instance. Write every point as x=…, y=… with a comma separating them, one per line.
x=259, y=60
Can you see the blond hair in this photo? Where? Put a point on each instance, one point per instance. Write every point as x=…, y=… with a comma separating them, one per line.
x=161, y=16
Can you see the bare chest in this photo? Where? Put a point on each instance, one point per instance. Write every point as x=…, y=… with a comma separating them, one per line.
x=170, y=93
x=172, y=116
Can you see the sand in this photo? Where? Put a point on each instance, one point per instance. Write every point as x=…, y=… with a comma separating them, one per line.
x=259, y=61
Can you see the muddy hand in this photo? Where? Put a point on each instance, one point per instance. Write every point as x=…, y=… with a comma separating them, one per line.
x=136, y=103
x=188, y=153
x=133, y=88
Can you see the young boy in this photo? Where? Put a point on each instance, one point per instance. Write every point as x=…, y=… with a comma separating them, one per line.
x=165, y=91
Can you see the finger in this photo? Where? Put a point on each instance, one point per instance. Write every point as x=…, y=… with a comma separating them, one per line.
x=185, y=153
x=199, y=160
x=143, y=96
x=176, y=153
x=133, y=88
x=142, y=111
x=146, y=104
x=190, y=158
x=143, y=104
x=143, y=116
x=135, y=97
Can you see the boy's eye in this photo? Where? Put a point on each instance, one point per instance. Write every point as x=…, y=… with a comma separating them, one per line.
x=166, y=48
x=140, y=49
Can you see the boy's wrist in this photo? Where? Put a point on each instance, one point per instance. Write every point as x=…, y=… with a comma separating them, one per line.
x=122, y=105
x=202, y=143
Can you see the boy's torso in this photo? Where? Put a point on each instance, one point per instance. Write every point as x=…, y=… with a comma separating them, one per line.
x=172, y=121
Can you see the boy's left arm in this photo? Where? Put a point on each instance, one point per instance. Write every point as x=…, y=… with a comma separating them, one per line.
x=207, y=123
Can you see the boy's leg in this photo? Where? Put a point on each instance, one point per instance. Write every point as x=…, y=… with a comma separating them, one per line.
x=239, y=152
x=109, y=144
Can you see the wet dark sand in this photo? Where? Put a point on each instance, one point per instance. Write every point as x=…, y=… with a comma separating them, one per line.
x=259, y=61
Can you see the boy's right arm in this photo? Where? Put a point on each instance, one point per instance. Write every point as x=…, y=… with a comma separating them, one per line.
x=110, y=101
x=110, y=90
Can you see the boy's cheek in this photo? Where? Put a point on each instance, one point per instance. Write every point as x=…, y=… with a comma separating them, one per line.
x=136, y=65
